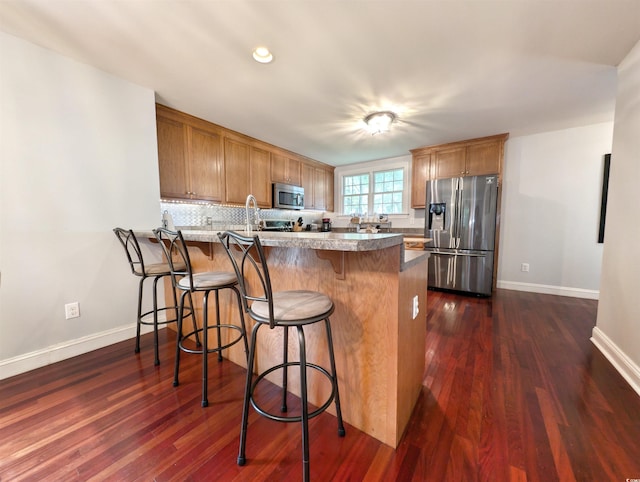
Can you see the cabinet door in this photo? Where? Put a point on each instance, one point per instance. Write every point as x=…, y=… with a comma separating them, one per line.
x=308, y=183
x=294, y=171
x=449, y=162
x=319, y=189
x=172, y=159
x=483, y=158
x=260, y=174
x=419, y=176
x=328, y=184
x=236, y=163
x=286, y=170
x=205, y=165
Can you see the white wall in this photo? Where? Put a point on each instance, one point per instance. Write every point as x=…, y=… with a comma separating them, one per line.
x=551, y=191
x=552, y=186
x=617, y=331
x=77, y=157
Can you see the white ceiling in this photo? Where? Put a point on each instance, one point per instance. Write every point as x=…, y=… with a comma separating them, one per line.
x=451, y=69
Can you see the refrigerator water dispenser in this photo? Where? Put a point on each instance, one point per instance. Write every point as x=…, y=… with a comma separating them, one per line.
x=437, y=213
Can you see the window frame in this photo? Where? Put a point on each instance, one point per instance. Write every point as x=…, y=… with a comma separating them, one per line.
x=370, y=169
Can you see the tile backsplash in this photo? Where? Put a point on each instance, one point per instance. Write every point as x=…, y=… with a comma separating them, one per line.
x=196, y=215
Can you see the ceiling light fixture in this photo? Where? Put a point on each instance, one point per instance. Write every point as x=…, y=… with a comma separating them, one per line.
x=262, y=55
x=380, y=122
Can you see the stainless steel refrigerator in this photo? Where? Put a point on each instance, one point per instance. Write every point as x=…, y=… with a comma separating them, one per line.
x=460, y=218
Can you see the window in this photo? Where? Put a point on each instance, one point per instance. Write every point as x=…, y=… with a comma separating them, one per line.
x=379, y=192
x=356, y=193
x=388, y=187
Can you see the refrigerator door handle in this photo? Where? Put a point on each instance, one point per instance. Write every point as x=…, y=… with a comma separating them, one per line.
x=471, y=255
x=455, y=228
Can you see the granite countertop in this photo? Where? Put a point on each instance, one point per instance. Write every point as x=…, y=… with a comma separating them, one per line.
x=331, y=241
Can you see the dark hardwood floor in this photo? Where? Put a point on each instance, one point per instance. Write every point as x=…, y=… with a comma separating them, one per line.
x=513, y=391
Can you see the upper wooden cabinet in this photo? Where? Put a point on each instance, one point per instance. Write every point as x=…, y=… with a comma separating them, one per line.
x=246, y=172
x=317, y=182
x=204, y=161
x=421, y=164
x=190, y=161
x=285, y=169
x=308, y=183
x=473, y=157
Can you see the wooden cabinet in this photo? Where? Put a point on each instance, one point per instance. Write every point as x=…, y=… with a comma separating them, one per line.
x=199, y=160
x=260, y=176
x=328, y=184
x=285, y=169
x=473, y=157
x=308, y=184
x=484, y=158
x=190, y=161
x=236, y=171
x=449, y=163
x=317, y=182
x=420, y=168
x=246, y=172
x=319, y=189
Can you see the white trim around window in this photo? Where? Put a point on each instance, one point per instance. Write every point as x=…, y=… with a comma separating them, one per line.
x=370, y=168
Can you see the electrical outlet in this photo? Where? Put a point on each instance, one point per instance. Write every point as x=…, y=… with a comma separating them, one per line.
x=415, y=308
x=72, y=310
x=524, y=267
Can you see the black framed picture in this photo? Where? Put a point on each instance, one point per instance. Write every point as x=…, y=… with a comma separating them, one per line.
x=603, y=200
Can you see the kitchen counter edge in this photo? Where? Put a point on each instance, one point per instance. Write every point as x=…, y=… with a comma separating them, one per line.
x=329, y=241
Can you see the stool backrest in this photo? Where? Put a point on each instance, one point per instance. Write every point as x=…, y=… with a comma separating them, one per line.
x=250, y=264
x=176, y=252
x=132, y=249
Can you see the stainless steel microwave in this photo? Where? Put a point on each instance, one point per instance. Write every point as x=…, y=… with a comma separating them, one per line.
x=287, y=196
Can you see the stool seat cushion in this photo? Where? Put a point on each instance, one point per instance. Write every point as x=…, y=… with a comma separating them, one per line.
x=294, y=305
x=159, y=268
x=209, y=280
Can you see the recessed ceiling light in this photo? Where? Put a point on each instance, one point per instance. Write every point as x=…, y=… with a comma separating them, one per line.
x=262, y=55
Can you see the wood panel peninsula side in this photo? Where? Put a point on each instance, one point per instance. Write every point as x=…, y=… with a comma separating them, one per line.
x=379, y=345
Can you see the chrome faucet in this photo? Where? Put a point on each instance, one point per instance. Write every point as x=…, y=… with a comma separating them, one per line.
x=247, y=204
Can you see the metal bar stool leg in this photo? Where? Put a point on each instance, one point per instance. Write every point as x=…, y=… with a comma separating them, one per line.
x=176, y=368
x=285, y=370
x=218, y=326
x=305, y=406
x=332, y=361
x=139, y=318
x=155, y=320
x=247, y=396
x=205, y=347
x=242, y=323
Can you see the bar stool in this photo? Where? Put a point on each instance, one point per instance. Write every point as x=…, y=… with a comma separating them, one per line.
x=281, y=309
x=156, y=271
x=188, y=282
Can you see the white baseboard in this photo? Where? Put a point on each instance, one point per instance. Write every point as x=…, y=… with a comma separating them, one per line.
x=549, y=289
x=625, y=366
x=68, y=349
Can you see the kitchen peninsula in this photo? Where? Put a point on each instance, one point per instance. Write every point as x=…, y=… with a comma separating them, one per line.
x=379, y=344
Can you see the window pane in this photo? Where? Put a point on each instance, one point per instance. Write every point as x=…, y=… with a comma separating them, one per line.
x=388, y=189
x=355, y=200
